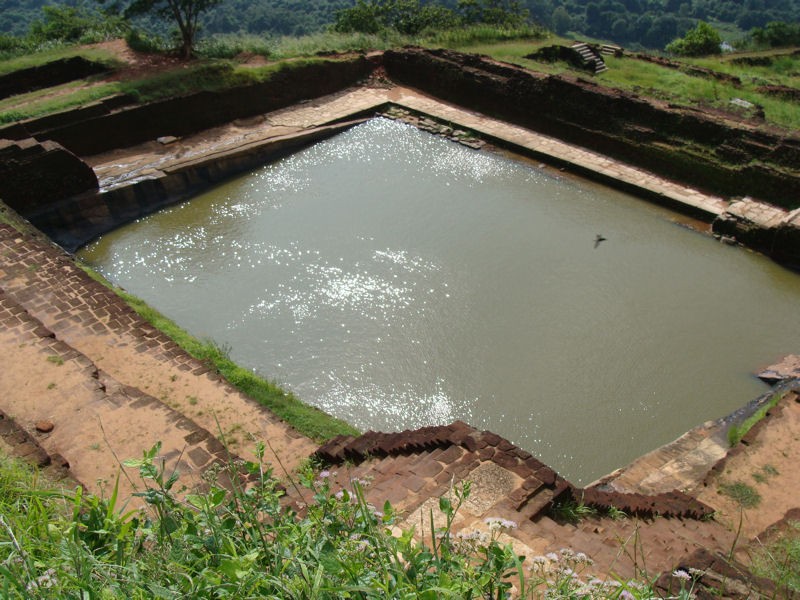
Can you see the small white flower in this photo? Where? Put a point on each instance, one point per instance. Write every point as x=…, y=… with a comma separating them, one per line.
x=681, y=574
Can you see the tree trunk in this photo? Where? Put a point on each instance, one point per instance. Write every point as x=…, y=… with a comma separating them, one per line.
x=187, y=44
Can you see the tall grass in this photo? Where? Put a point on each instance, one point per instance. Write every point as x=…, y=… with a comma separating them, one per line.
x=779, y=560
x=242, y=541
x=231, y=46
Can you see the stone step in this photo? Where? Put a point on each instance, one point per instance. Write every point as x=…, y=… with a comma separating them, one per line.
x=93, y=320
x=75, y=411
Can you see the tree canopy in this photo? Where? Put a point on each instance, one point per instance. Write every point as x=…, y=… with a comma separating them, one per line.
x=183, y=13
x=633, y=23
x=413, y=16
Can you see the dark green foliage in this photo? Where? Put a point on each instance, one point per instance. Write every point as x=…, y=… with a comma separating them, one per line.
x=703, y=40
x=648, y=23
x=411, y=17
x=185, y=14
x=76, y=24
x=777, y=34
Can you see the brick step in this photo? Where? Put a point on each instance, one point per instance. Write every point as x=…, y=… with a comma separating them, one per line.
x=73, y=410
x=93, y=320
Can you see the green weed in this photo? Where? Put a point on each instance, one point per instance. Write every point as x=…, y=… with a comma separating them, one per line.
x=741, y=493
x=738, y=430
x=779, y=560
x=572, y=511
x=245, y=542
x=55, y=359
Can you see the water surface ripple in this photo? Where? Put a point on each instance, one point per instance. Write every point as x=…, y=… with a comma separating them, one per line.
x=396, y=279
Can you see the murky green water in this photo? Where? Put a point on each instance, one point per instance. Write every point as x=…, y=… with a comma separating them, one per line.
x=395, y=280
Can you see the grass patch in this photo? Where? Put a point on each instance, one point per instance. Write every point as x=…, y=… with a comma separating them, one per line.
x=206, y=76
x=779, y=560
x=763, y=475
x=308, y=420
x=44, y=102
x=37, y=59
x=741, y=493
x=672, y=85
x=738, y=430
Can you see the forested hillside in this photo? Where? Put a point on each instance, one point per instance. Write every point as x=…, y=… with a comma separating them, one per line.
x=649, y=23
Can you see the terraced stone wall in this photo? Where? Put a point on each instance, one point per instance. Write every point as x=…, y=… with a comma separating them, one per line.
x=728, y=157
x=104, y=127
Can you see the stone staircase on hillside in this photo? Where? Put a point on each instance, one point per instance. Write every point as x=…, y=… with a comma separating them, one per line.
x=590, y=58
x=610, y=50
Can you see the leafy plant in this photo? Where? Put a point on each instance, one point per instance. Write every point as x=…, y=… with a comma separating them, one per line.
x=572, y=511
x=702, y=40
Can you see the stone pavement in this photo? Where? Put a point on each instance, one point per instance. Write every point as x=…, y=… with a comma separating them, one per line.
x=76, y=355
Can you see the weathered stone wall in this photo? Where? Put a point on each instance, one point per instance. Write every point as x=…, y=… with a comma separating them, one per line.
x=728, y=157
x=33, y=174
x=101, y=128
x=74, y=221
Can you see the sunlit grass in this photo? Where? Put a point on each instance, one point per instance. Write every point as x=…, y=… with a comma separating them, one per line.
x=60, y=52
x=54, y=99
x=673, y=85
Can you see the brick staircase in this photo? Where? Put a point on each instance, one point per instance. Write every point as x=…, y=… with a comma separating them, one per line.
x=412, y=469
x=110, y=385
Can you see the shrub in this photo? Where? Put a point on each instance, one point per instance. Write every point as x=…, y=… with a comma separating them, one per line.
x=143, y=42
x=76, y=24
x=700, y=41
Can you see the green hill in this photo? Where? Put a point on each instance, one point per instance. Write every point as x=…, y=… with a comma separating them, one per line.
x=646, y=23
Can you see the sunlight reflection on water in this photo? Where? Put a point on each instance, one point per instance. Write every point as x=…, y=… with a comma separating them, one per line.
x=395, y=280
